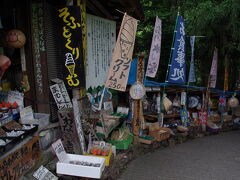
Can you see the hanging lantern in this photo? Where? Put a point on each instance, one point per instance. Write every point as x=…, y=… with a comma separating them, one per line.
x=233, y=102
x=15, y=38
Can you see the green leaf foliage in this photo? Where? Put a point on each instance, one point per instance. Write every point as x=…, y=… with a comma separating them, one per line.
x=217, y=22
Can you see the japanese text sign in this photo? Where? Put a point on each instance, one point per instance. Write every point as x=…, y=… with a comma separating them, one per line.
x=153, y=60
x=70, y=45
x=122, y=56
x=213, y=72
x=177, y=73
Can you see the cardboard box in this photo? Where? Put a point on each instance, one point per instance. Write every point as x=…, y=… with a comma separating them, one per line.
x=78, y=170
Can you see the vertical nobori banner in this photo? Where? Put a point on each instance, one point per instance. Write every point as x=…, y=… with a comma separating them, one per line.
x=192, y=75
x=122, y=56
x=177, y=73
x=70, y=45
x=154, y=57
x=213, y=72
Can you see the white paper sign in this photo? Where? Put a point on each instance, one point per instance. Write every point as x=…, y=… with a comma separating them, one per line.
x=44, y=174
x=183, y=98
x=60, y=95
x=108, y=106
x=122, y=110
x=27, y=113
x=60, y=151
x=101, y=41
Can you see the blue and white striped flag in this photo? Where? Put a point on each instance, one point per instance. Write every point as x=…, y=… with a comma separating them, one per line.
x=177, y=73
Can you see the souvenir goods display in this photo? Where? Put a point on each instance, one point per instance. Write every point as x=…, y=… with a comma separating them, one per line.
x=233, y=102
x=192, y=102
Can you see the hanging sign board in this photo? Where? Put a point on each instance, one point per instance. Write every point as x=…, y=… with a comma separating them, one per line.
x=70, y=46
x=122, y=56
x=100, y=45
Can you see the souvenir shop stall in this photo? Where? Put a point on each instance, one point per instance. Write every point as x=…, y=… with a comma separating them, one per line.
x=130, y=109
x=19, y=147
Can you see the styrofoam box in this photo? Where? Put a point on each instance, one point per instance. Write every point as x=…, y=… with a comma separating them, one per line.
x=78, y=170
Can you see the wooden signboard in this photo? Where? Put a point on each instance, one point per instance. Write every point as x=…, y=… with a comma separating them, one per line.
x=122, y=56
x=20, y=161
x=69, y=131
x=60, y=95
x=78, y=124
x=39, y=55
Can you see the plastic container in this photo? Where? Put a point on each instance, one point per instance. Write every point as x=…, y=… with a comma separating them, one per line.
x=15, y=111
x=41, y=119
x=107, y=158
x=122, y=144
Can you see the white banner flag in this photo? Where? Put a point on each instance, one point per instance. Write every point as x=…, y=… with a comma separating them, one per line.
x=122, y=56
x=213, y=72
x=154, y=57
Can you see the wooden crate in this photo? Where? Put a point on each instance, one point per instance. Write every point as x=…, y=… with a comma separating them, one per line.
x=159, y=134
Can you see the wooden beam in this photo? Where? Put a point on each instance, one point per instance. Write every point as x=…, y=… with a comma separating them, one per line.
x=101, y=8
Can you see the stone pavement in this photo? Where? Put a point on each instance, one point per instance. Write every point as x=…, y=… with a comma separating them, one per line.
x=215, y=157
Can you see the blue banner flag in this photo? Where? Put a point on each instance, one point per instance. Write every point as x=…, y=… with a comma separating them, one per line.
x=177, y=73
x=192, y=76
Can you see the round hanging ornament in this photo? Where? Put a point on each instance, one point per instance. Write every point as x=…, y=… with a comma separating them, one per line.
x=15, y=38
x=233, y=102
x=137, y=90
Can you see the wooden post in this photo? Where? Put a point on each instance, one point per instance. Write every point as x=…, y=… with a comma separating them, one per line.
x=205, y=104
x=138, y=119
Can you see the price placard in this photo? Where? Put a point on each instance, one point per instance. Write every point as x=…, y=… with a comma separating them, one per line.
x=60, y=151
